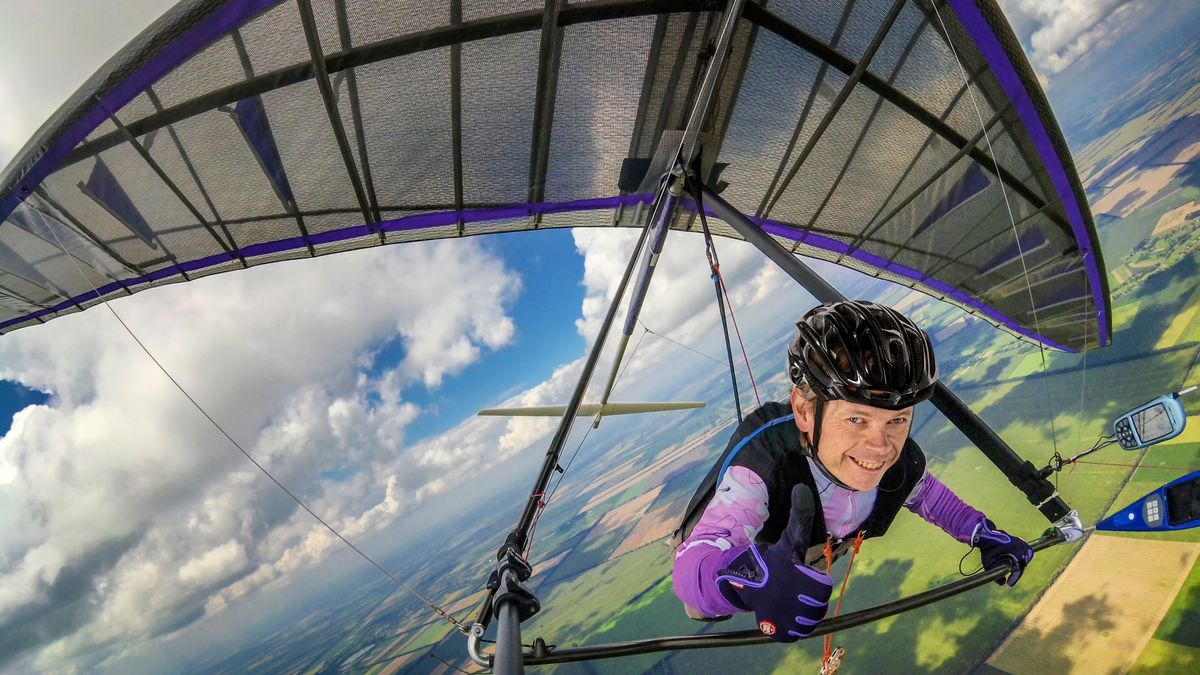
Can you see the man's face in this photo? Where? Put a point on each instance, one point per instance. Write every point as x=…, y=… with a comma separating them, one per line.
x=858, y=443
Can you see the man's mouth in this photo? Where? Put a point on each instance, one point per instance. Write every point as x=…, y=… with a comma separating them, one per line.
x=869, y=466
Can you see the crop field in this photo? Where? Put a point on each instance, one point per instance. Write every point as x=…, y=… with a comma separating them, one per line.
x=1103, y=610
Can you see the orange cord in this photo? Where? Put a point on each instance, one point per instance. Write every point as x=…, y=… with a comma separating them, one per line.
x=828, y=552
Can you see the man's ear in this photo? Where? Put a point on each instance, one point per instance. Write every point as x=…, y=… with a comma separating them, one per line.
x=804, y=412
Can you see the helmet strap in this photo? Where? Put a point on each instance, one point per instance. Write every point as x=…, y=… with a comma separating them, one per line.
x=818, y=417
x=811, y=451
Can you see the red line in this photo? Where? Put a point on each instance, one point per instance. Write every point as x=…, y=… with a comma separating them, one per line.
x=729, y=304
x=1135, y=466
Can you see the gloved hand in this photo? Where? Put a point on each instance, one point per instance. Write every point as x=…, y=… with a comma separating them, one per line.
x=998, y=548
x=788, y=597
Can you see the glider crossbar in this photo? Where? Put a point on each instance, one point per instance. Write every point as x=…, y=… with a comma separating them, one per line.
x=743, y=638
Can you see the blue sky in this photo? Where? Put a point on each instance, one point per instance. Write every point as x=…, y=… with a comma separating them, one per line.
x=14, y=397
x=544, y=314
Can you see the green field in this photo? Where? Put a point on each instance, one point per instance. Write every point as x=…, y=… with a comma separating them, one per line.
x=1175, y=647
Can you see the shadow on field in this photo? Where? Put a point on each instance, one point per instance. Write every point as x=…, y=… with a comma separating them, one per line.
x=1045, y=651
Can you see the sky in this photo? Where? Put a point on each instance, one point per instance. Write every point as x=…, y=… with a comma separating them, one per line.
x=124, y=515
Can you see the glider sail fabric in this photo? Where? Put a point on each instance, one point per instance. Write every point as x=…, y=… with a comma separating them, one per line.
x=907, y=139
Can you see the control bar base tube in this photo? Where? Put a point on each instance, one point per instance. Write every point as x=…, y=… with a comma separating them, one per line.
x=1021, y=473
x=508, y=659
x=754, y=637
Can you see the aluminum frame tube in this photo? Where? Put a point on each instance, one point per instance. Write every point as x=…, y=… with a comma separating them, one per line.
x=509, y=658
x=520, y=535
x=517, y=540
x=650, y=259
x=712, y=76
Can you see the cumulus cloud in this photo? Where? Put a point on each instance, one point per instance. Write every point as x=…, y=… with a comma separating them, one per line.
x=681, y=300
x=1060, y=32
x=214, y=565
x=117, y=499
x=521, y=432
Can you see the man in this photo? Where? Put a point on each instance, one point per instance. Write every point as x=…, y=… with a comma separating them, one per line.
x=802, y=478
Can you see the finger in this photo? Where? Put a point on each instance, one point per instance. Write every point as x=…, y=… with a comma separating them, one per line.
x=794, y=540
x=1012, y=578
x=807, y=622
x=1020, y=569
x=1014, y=567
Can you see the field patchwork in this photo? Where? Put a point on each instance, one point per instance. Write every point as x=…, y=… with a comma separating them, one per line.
x=1102, y=611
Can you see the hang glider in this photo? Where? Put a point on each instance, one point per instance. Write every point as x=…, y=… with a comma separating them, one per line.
x=232, y=134
x=909, y=141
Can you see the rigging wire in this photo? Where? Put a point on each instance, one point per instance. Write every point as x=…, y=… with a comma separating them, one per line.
x=676, y=342
x=630, y=359
x=745, y=358
x=262, y=469
x=544, y=499
x=714, y=268
x=1057, y=462
x=1011, y=219
x=1139, y=465
x=714, y=264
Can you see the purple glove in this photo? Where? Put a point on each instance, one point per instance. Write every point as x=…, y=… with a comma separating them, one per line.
x=998, y=548
x=788, y=597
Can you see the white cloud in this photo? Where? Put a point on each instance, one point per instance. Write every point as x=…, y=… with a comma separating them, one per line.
x=214, y=565
x=119, y=487
x=521, y=432
x=681, y=302
x=1060, y=32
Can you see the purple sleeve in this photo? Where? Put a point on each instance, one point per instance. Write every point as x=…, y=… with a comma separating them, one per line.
x=734, y=516
x=937, y=504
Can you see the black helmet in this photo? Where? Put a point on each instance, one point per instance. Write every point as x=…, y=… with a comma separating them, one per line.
x=863, y=352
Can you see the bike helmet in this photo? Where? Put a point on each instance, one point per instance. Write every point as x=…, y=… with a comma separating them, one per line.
x=860, y=352
x=864, y=353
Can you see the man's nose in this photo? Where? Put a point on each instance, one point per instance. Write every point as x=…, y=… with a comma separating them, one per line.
x=877, y=438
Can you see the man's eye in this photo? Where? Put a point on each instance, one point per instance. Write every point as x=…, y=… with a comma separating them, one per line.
x=899, y=420
x=854, y=420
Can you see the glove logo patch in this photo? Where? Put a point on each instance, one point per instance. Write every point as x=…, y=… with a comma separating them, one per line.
x=766, y=627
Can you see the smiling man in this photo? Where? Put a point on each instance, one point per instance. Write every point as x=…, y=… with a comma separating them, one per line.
x=800, y=482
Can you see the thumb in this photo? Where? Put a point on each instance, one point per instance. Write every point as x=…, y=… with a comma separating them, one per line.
x=794, y=540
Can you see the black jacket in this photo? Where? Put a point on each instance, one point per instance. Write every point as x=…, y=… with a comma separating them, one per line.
x=768, y=443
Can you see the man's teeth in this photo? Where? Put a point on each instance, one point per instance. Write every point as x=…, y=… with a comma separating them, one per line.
x=867, y=465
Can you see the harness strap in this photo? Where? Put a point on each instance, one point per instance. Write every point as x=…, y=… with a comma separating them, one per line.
x=825, y=659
